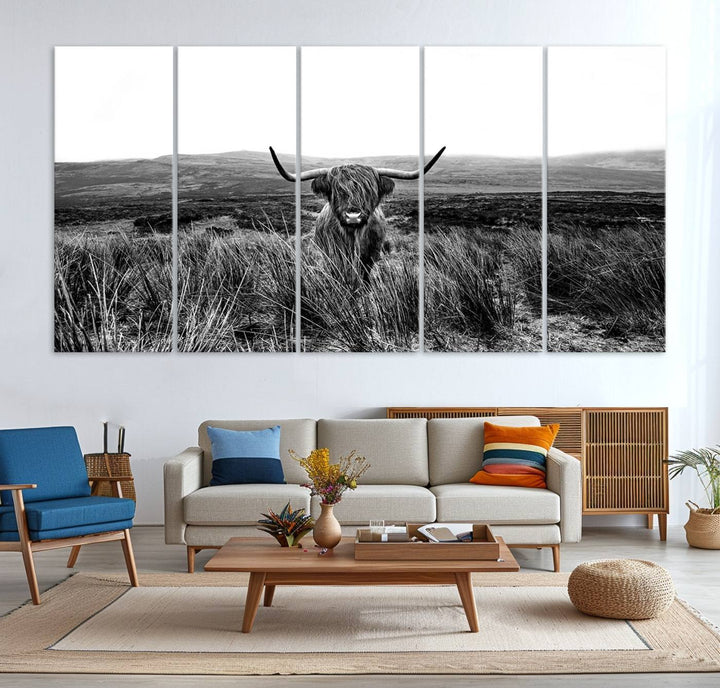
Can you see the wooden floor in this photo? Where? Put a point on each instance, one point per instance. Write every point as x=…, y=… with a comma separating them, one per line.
x=696, y=574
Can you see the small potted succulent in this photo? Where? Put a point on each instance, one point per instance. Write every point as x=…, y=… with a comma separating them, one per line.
x=288, y=527
x=703, y=527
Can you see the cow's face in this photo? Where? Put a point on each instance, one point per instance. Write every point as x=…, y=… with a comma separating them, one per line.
x=353, y=192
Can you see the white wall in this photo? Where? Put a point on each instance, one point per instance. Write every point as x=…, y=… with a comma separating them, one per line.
x=161, y=398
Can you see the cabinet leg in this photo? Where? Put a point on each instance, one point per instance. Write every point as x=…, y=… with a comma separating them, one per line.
x=662, y=523
x=650, y=521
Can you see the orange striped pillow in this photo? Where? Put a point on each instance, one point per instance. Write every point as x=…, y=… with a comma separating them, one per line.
x=515, y=456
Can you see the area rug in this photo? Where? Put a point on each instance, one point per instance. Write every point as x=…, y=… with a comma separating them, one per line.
x=189, y=624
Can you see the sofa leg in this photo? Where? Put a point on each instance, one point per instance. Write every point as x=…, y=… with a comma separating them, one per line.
x=191, y=559
x=556, y=558
x=129, y=559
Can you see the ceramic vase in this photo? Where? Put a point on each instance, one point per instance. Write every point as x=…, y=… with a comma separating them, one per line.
x=326, y=532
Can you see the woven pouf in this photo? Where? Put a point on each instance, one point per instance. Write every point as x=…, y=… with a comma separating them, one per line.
x=621, y=589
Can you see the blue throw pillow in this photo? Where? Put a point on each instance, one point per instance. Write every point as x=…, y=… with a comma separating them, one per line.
x=241, y=457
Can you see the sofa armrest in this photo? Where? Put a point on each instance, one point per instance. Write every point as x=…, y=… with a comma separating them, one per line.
x=181, y=475
x=564, y=477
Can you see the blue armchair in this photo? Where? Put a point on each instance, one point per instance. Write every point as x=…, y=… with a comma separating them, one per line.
x=45, y=499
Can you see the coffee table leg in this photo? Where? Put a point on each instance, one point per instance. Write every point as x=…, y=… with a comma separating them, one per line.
x=464, y=586
x=252, y=601
x=269, y=592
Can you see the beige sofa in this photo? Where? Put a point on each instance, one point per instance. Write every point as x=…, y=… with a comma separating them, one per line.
x=419, y=472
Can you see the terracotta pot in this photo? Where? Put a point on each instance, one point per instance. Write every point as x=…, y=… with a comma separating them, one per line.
x=326, y=532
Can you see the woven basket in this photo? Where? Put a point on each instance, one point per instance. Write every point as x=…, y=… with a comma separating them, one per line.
x=621, y=589
x=703, y=527
x=109, y=466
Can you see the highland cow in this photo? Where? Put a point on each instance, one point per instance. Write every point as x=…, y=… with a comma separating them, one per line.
x=351, y=229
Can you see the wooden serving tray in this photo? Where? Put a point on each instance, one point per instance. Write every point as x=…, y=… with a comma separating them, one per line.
x=483, y=547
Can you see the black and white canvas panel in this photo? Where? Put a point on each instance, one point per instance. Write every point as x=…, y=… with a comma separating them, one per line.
x=360, y=144
x=606, y=199
x=113, y=198
x=236, y=215
x=483, y=199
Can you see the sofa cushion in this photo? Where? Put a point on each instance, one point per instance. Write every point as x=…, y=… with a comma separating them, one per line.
x=496, y=504
x=51, y=458
x=455, y=445
x=295, y=433
x=382, y=502
x=241, y=504
x=547, y=534
x=245, y=456
x=515, y=456
x=395, y=449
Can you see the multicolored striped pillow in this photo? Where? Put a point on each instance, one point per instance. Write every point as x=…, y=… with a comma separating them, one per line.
x=515, y=456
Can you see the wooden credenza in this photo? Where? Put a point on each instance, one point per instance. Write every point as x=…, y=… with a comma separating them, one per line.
x=622, y=451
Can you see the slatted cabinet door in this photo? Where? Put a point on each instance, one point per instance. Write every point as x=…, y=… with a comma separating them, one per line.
x=624, y=469
x=569, y=437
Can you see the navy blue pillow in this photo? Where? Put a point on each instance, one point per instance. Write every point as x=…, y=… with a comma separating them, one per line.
x=251, y=456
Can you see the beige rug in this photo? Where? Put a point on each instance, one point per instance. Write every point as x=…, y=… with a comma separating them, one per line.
x=178, y=623
x=348, y=619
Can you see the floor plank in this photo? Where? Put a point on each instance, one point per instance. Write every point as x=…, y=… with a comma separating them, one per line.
x=696, y=574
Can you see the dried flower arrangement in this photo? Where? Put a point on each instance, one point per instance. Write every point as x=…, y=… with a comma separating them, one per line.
x=329, y=480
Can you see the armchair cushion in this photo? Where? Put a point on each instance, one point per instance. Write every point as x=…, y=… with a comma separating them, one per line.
x=74, y=531
x=55, y=514
x=49, y=457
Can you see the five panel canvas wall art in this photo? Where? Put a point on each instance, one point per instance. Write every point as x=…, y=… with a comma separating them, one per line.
x=411, y=220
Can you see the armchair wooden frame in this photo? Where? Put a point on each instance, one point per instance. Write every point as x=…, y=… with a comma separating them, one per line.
x=26, y=546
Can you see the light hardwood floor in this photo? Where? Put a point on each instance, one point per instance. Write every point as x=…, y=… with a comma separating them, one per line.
x=696, y=574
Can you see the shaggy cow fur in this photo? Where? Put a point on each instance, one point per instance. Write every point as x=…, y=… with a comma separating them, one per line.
x=351, y=228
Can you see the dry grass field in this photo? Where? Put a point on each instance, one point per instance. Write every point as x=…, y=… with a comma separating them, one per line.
x=237, y=269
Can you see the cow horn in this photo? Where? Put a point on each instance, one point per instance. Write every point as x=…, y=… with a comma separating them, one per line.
x=304, y=176
x=402, y=174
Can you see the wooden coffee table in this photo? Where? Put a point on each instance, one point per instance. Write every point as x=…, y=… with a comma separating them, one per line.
x=270, y=565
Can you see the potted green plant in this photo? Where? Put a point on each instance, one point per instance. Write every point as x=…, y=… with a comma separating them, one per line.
x=703, y=526
x=288, y=527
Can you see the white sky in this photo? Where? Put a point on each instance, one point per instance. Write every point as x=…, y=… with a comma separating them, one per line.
x=116, y=102
x=360, y=101
x=484, y=101
x=236, y=98
x=113, y=103
x=605, y=99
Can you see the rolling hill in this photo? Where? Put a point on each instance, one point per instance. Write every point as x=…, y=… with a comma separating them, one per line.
x=252, y=173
